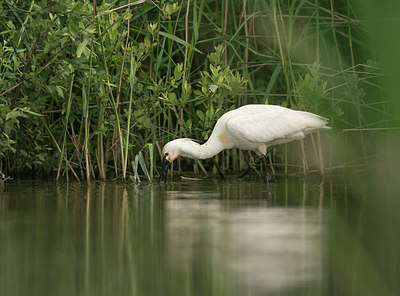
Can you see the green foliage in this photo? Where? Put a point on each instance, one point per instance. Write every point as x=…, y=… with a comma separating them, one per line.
x=10, y=121
x=312, y=94
x=215, y=87
x=110, y=78
x=311, y=90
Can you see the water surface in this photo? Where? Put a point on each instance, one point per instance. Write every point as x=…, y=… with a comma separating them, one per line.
x=192, y=237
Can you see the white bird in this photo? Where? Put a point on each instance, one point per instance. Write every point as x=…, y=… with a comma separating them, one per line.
x=250, y=127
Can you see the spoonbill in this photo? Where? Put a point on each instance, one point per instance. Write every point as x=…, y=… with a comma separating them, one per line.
x=251, y=127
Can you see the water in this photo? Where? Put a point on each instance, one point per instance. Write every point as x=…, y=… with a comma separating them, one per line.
x=193, y=237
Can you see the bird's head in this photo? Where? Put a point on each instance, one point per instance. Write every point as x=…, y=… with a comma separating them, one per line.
x=173, y=150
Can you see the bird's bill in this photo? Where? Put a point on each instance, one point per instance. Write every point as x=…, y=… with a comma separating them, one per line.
x=164, y=170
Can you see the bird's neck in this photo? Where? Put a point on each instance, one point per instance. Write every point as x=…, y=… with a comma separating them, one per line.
x=207, y=150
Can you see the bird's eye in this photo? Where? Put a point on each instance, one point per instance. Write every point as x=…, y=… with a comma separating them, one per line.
x=166, y=154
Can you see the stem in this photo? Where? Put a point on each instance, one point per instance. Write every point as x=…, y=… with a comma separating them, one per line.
x=111, y=97
x=63, y=148
x=282, y=54
x=128, y=125
x=86, y=116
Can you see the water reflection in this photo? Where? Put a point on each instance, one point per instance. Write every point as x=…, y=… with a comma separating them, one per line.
x=184, y=238
x=263, y=250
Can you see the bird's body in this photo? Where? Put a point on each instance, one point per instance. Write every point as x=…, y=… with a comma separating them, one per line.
x=250, y=127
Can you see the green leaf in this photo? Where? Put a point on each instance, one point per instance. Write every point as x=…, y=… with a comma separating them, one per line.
x=20, y=112
x=13, y=114
x=82, y=46
x=143, y=166
x=60, y=91
x=213, y=88
x=27, y=110
x=178, y=40
x=214, y=70
x=132, y=74
x=10, y=25
x=178, y=71
x=135, y=169
x=200, y=114
x=84, y=100
x=272, y=80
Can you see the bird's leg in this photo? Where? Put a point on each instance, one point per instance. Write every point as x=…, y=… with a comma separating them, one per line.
x=268, y=174
x=164, y=170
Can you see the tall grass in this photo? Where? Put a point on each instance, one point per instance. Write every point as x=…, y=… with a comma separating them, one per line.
x=148, y=72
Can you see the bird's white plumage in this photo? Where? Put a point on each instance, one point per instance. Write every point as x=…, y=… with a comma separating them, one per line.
x=256, y=127
x=263, y=125
x=250, y=127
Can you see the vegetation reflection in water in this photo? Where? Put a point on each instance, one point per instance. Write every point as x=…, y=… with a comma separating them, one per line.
x=184, y=238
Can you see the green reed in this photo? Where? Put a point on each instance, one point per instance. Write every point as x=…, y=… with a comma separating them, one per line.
x=190, y=62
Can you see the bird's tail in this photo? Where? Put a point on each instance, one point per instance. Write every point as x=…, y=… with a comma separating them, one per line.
x=325, y=121
x=326, y=127
x=317, y=123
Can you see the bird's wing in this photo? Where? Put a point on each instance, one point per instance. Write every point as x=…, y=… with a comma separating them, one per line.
x=261, y=124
